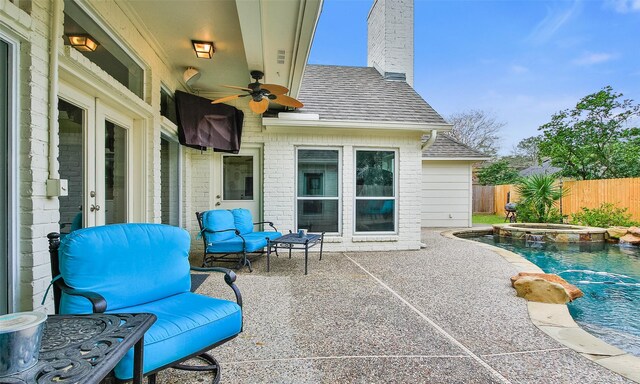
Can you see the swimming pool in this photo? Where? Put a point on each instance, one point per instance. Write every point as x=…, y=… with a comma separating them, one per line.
x=609, y=276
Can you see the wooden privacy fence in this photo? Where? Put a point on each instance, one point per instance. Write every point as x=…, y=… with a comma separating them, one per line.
x=623, y=193
x=483, y=199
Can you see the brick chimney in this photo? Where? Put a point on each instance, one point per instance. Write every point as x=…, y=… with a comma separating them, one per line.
x=390, y=39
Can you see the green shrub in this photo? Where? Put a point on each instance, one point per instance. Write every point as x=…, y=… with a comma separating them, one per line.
x=539, y=195
x=527, y=214
x=607, y=215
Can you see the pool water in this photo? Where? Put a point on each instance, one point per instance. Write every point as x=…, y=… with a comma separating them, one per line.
x=609, y=276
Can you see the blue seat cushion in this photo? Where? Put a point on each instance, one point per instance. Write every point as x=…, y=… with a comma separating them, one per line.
x=186, y=324
x=254, y=241
x=243, y=220
x=218, y=220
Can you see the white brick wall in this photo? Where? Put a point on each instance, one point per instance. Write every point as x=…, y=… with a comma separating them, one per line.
x=39, y=214
x=279, y=186
x=390, y=37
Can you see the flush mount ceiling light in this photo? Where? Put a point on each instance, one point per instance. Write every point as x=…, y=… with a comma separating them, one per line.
x=191, y=75
x=83, y=43
x=204, y=49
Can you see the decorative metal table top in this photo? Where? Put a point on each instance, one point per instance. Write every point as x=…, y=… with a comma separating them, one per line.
x=83, y=348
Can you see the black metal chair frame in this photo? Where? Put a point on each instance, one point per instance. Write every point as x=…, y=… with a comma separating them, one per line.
x=99, y=305
x=241, y=260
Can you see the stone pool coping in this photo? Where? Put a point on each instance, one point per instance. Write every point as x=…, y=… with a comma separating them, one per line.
x=557, y=233
x=555, y=319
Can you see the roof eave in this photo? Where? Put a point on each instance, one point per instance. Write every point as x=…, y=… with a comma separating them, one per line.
x=454, y=158
x=424, y=158
x=356, y=124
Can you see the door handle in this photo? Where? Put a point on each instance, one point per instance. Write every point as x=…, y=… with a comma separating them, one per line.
x=94, y=208
x=217, y=196
x=217, y=204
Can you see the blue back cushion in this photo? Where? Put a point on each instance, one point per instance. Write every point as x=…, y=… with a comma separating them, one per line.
x=242, y=220
x=217, y=220
x=128, y=264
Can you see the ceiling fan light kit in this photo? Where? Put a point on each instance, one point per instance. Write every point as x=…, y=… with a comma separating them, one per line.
x=204, y=49
x=261, y=94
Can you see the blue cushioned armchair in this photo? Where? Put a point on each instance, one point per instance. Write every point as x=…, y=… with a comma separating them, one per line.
x=134, y=268
x=231, y=232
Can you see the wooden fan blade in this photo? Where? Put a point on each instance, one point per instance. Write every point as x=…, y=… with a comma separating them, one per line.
x=225, y=99
x=287, y=101
x=234, y=87
x=259, y=106
x=275, y=89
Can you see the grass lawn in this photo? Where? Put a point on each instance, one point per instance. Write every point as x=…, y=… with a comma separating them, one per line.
x=480, y=218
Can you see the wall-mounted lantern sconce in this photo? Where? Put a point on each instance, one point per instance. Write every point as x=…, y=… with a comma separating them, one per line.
x=83, y=43
x=204, y=49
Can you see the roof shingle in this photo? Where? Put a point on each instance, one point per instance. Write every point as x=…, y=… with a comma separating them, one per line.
x=446, y=147
x=361, y=93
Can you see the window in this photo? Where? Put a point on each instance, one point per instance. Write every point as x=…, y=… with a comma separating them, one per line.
x=318, y=191
x=376, y=195
x=169, y=181
x=168, y=105
x=109, y=54
x=8, y=177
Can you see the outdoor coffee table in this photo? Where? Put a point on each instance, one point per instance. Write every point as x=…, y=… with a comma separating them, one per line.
x=85, y=348
x=294, y=241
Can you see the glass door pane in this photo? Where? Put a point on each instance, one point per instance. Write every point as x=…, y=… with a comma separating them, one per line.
x=237, y=178
x=4, y=180
x=115, y=171
x=237, y=183
x=70, y=158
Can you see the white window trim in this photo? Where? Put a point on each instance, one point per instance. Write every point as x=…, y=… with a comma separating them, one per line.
x=339, y=198
x=86, y=8
x=13, y=219
x=396, y=209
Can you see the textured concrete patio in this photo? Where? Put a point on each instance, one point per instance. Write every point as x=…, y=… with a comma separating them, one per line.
x=445, y=314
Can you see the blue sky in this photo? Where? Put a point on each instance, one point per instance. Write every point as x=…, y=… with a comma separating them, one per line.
x=518, y=60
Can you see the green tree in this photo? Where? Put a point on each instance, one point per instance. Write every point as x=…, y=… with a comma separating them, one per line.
x=538, y=197
x=496, y=173
x=592, y=141
x=527, y=149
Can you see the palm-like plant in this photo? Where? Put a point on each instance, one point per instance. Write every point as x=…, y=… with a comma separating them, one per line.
x=538, y=195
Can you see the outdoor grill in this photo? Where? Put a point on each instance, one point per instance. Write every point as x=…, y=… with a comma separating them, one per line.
x=510, y=208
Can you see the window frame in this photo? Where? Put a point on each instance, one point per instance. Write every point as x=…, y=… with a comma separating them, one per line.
x=165, y=135
x=13, y=180
x=395, y=197
x=126, y=49
x=338, y=198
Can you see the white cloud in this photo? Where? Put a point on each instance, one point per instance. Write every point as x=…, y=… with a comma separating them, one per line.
x=554, y=20
x=594, y=58
x=518, y=69
x=624, y=6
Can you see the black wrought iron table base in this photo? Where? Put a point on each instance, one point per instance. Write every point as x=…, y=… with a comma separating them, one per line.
x=293, y=241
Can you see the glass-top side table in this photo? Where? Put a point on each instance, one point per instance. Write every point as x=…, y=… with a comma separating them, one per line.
x=294, y=241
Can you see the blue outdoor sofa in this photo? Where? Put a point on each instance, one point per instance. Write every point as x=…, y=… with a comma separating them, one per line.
x=144, y=268
x=231, y=232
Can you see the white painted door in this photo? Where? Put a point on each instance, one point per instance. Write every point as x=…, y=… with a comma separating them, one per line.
x=94, y=157
x=239, y=184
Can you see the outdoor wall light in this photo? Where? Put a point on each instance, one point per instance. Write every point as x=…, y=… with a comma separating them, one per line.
x=83, y=43
x=204, y=49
